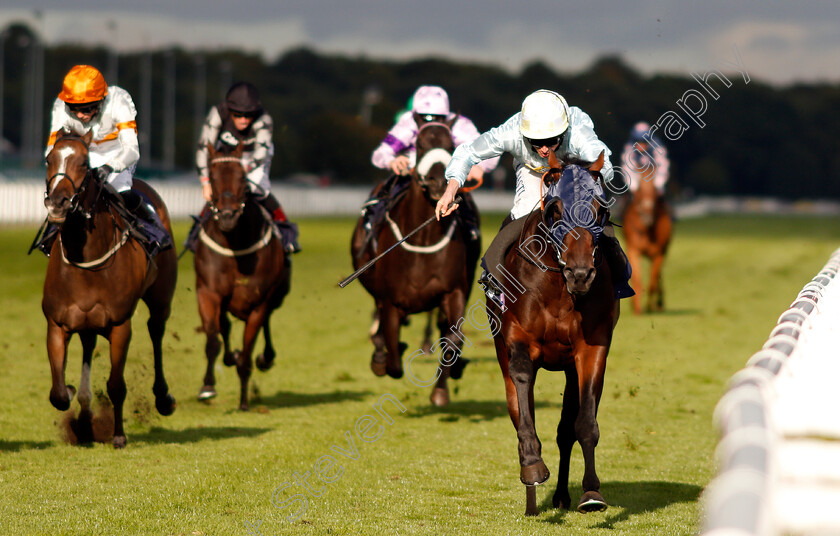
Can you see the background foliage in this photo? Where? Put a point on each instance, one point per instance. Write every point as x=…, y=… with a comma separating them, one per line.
x=759, y=139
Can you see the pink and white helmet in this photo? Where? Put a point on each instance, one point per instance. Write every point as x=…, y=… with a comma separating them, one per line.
x=431, y=100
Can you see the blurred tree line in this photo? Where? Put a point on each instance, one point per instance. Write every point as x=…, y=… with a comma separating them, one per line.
x=331, y=111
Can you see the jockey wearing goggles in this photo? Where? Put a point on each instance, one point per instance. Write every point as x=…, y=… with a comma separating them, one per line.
x=240, y=118
x=545, y=124
x=87, y=103
x=397, y=151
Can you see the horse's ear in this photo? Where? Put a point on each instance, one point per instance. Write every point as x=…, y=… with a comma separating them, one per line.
x=598, y=164
x=88, y=137
x=451, y=122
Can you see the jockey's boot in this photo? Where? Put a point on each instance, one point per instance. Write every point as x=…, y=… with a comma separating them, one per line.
x=47, y=239
x=288, y=230
x=617, y=260
x=198, y=221
x=154, y=237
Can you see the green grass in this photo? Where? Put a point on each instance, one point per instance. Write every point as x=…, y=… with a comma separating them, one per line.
x=209, y=468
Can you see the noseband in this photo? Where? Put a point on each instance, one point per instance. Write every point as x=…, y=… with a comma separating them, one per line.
x=433, y=156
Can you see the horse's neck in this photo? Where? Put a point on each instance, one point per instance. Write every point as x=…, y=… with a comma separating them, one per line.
x=84, y=238
x=414, y=207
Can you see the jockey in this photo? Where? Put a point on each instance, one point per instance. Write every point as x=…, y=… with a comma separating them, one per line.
x=545, y=124
x=240, y=118
x=87, y=103
x=397, y=152
x=645, y=157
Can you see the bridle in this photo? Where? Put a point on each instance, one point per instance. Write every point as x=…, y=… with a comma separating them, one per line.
x=437, y=155
x=213, y=208
x=75, y=199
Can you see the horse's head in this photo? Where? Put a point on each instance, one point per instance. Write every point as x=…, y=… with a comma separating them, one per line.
x=644, y=200
x=229, y=185
x=434, y=150
x=576, y=213
x=68, y=175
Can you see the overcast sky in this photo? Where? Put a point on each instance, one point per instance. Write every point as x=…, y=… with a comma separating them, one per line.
x=780, y=41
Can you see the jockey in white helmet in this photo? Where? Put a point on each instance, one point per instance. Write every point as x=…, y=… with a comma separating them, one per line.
x=545, y=124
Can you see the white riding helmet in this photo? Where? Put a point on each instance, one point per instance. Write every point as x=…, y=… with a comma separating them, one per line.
x=431, y=100
x=545, y=114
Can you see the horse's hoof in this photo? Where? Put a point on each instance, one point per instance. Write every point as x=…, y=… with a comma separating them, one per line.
x=165, y=404
x=439, y=397
x=377, y=363
x=457, y=368
x=230, y=358
x=561, y=500
x=395, y=373
x=534, y=474
x=119, y=442
x=263, y=364
x=243, y=407
x=207, y=392
x=592, y=501
x=63, y=403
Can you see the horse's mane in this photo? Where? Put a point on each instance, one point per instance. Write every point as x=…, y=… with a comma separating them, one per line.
x=576, y=188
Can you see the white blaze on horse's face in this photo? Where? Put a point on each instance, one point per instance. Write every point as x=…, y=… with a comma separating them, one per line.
x=64, y=153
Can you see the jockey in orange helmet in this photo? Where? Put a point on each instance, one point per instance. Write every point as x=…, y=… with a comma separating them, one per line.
x=87, y=103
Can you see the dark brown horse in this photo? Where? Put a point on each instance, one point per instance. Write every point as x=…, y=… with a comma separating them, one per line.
x=96, y=274
x=435, y=268
x=241, y=269
x=561, y=318
x=647, y=231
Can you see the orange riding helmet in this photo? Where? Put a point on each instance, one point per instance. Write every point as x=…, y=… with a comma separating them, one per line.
x=83, y=84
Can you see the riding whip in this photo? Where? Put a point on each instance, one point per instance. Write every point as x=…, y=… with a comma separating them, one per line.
x=370, y=263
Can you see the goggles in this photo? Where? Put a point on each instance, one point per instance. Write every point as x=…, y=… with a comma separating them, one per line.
x=547, y=142
x=85, y=107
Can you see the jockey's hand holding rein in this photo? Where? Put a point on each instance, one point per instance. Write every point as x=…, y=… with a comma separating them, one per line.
x=400, y=165
x=206, y=189
x=446, y=205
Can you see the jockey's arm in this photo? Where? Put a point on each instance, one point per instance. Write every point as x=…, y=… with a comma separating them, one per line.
x=209, y=135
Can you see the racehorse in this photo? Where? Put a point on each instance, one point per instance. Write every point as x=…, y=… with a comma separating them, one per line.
x=647, y=231
x=434, y=269
x=240, y=268
x=563, y=320
x=97, y=272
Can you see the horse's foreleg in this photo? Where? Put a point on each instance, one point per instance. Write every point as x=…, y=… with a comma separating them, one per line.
x=426, y=345
x=655, y=294
x=522, y=374
x=635, y=258
x=209, y=308
x=57, y=339
x=266, y=359
x=450, y=322
x=389, y=326
x=85, y=394
x=164, y=401
x=229, y=357
x=590, y=370
x=566, y=439
x=244, y=365
x=120, y=337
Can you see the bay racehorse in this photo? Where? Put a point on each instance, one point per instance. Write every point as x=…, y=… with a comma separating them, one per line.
x=97, y=272
x=647, y=230
x=240, y=268
x=435, y=268
x=561, y=318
